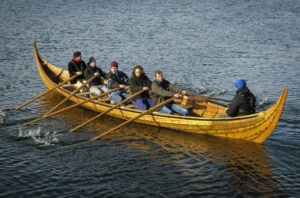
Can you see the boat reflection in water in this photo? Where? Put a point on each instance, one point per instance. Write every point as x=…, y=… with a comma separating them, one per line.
x=213, y=162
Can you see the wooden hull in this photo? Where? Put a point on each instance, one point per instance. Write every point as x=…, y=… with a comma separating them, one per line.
x=256, y=128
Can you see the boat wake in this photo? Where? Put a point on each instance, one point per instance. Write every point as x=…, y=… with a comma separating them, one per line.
x=39, y=136
x=2, y=116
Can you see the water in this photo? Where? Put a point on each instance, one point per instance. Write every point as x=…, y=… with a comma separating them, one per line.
x=202, y=46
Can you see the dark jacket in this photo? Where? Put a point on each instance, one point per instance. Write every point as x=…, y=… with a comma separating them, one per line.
x=90, y=71
x=115, y=80
x=161, y=91
x=137, y=84
x=74, y=67
x=242, y=104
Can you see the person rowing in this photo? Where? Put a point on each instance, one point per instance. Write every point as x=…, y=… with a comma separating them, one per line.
x=137, y=82
x=115, y=79
x=163, y=90
x=76, y=67
x=96, y=86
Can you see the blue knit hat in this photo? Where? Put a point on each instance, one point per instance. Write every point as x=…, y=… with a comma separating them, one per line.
x=240, y=83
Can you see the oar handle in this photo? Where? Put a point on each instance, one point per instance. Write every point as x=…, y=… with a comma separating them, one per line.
x=49, y=90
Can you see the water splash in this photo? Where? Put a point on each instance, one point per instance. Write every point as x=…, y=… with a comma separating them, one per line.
x=39, y=137
x=263, y=102
x=2, y=115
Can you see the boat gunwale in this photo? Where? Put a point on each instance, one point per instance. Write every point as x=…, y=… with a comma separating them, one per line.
x=44, y=64
x=154, y=113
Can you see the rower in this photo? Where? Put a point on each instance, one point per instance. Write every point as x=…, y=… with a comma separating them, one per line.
x=76, y=67
x=96, y=86
x=163, y=90
x=139, y=81
x=116, y=79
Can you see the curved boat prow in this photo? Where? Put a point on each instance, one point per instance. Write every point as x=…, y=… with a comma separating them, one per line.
x=272, y=116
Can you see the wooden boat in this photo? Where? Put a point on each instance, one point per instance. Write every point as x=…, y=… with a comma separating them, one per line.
x=204, y=120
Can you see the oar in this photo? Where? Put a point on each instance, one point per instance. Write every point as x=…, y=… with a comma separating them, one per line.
x=124, y=123
x=108, y=110
x=218, y=103
x=205, y=98
x=74, y=105
x=49, y=90
x=221, y=99
x=72, y=94
x=214, y=102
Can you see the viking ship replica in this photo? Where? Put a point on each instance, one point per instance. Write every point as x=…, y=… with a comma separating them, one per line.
x=204, y=111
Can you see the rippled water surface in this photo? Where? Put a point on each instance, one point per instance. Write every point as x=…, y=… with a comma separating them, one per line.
x=202, y=46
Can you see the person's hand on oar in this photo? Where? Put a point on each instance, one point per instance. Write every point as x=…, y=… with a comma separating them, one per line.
x=49, y=90
x=122, y=86
x=72, y=106
x=177, y=95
